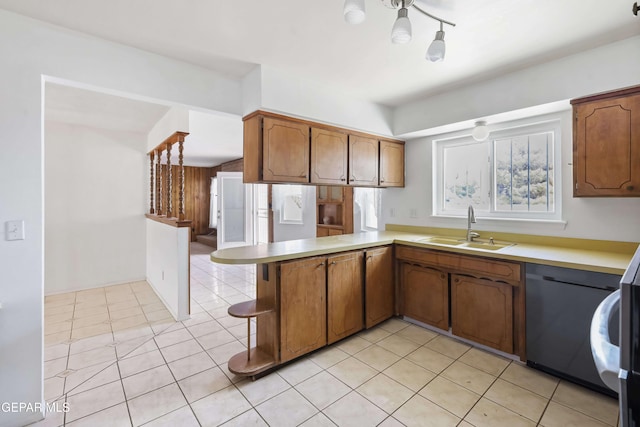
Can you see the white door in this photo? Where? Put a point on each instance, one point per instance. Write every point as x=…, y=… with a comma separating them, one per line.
x=235, y=225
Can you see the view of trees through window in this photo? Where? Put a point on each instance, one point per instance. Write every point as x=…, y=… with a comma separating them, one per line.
x=514, y=174
x=524, y=173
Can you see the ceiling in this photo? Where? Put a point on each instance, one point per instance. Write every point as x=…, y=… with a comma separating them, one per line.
x=309, y=38
x=69, y=105
x=213, y=138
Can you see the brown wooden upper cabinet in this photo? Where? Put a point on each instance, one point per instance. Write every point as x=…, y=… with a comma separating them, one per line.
x=606, y=144
x=391, y=164
x=328, y=157
x=283, y=149
x=363, y=161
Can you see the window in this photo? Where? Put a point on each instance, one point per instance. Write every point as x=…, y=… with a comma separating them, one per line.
x=367, y=206
x=511, y=175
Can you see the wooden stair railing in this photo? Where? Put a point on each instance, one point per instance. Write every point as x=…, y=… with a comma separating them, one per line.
x=161, y=183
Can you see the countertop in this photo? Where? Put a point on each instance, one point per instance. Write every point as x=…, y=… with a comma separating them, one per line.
x=582, y=254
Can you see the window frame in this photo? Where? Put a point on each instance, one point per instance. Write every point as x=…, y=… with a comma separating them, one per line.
x=551, y=124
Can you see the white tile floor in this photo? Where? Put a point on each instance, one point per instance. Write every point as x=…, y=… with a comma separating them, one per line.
x=117, y=358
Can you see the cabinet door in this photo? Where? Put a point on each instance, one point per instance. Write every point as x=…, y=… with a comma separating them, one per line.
x=379, y=286
x=363, y=161
x=303, y=307
x=606, y=151
x=286, y=151
x=425, y=295
x=482, y=311
x=391, y=164
x=328, y=157
x=344, y=295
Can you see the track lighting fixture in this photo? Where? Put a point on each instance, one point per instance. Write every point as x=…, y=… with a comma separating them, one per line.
x=436, y=50
x=354, y=13
x=401, y=31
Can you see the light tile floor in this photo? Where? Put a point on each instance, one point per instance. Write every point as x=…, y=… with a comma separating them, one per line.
x=117, y=357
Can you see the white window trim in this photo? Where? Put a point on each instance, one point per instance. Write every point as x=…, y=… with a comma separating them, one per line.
x=552, y=122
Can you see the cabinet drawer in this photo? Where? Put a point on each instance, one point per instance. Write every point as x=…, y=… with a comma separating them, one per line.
x=483, y=267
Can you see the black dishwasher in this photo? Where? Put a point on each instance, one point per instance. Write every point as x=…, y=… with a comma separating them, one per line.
x=560, y=305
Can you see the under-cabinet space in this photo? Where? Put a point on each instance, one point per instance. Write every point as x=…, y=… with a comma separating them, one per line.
x=334, y=210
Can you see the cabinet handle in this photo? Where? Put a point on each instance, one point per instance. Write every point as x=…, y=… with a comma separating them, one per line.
x=333, y=263
x=370, y=257
x=320, y=265
x=343, y=179
x=304, y=175
x=457, y=280
x=381, y=180
x=630, y=188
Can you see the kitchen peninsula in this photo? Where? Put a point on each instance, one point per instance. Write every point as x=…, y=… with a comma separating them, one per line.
x=313, y=292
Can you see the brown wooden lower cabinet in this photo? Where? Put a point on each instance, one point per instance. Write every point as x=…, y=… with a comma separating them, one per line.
x=344, y=295
x=425, y=295
x=482, y=311
x=379, y=285
x=303, y=309
x=303, y=305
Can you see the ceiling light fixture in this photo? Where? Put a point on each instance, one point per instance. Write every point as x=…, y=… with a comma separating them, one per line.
x=480, y=132
x=354, y=13
x=401, y=31
x=436, y=50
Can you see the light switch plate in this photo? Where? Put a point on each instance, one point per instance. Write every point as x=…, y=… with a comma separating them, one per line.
x=14, y=230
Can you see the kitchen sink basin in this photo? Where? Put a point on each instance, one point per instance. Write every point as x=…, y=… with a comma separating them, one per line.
x=484, y=244
x=488, y=246
x=452, y=241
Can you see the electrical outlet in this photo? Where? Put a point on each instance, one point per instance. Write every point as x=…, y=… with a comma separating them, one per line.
x=14, y=230
x=413, y=213
x=392, y=212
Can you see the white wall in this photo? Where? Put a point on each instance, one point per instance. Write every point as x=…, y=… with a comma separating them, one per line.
x=305, y=230
x=296, y=96
x=175, y=120
x=608, y=67
x=32, y=49
x=592, y=218
x=95, y=202
x=167, y=250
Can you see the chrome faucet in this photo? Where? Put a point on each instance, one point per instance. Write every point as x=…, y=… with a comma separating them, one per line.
x=471, y=219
